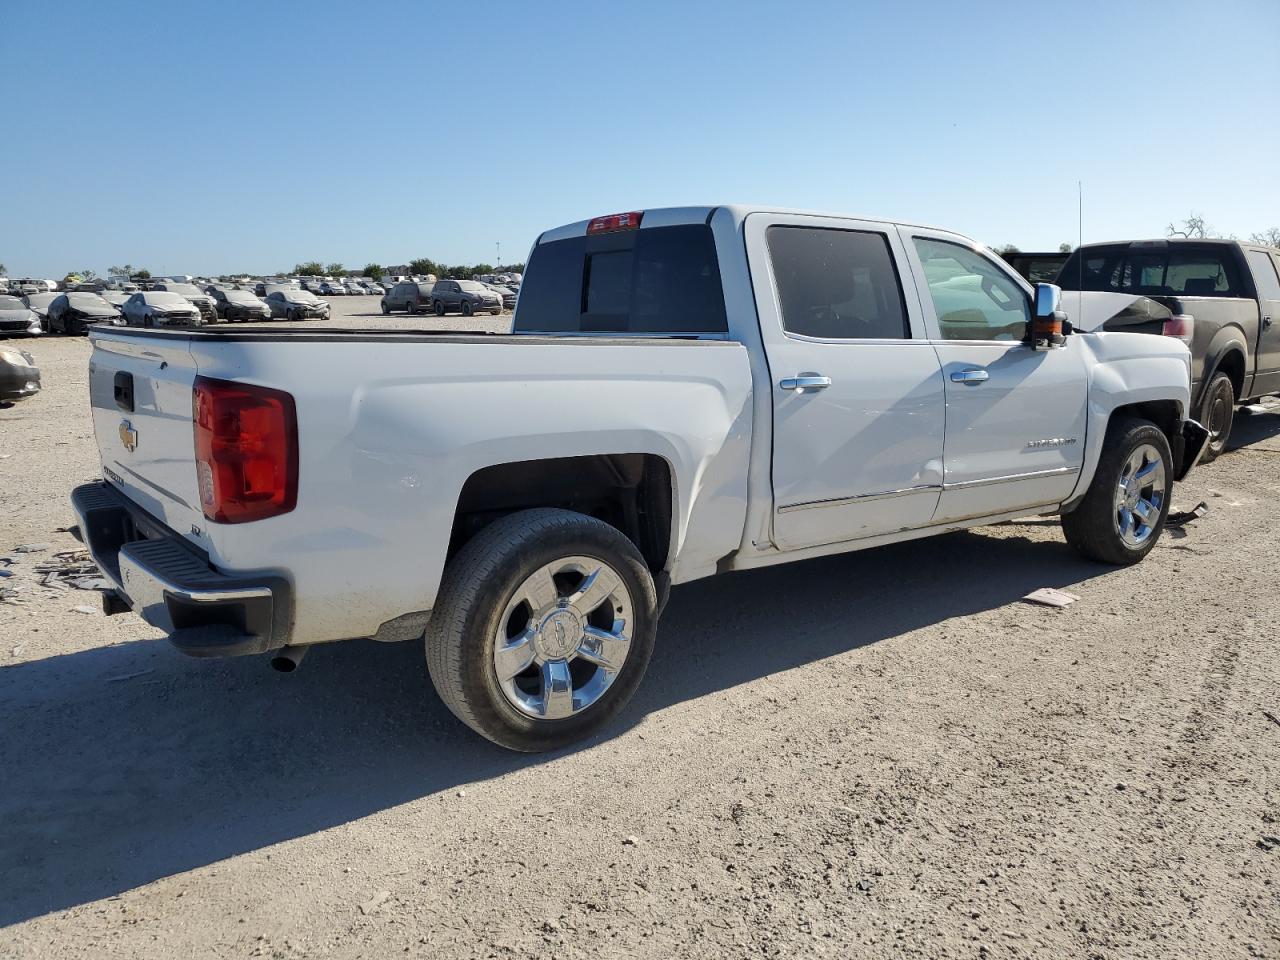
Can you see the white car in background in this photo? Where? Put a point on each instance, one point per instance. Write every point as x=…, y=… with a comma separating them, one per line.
x=160, y=308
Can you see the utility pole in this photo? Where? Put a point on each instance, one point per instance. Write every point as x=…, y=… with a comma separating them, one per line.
x=499, y=263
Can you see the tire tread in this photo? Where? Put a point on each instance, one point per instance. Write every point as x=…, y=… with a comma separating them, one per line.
x=473, y=568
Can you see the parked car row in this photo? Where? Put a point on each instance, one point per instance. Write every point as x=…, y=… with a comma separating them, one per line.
x=447, y=296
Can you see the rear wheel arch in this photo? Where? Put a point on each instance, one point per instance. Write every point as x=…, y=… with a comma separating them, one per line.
x=632, y=492
x=1232, y=362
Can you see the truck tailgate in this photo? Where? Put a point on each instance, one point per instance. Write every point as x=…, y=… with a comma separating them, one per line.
x=140, y=394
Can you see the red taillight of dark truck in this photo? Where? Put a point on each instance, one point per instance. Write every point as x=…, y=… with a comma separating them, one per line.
x=246, y=440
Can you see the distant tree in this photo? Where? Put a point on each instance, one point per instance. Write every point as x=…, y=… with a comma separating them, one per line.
x=1007, y=249
x=1192, y=228
x=3, y=270
x=1064, y=248
x=312, y=268
x=335, y=269
x=1268, y=238
x=373, y=271
x=125, y=271
x=88, y=275
x=425, y=265
x=142, y=273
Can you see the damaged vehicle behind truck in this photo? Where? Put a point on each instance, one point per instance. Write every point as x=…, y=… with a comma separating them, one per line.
x=686, y=392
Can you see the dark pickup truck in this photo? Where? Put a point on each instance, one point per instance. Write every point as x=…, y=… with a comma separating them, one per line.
x=1222, y=297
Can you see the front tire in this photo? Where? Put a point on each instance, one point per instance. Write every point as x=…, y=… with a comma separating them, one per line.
x=439, y=308
x=1122, y=515
x=466, y=308
x=1217, y=413
x=543, y=629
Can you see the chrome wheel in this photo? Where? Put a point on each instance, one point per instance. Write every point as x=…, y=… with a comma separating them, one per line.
x=1139, y=497
x=563, y=638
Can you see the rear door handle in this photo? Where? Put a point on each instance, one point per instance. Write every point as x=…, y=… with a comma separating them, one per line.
x=805, y=383
x=970, y=376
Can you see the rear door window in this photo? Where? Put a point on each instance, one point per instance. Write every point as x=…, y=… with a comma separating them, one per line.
x=837, y=284
x=1264, y=275
x=656, y=280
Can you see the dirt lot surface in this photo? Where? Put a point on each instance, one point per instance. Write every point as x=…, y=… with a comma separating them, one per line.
x=881, y=754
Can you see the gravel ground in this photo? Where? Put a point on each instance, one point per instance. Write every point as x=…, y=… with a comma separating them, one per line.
x=881, y=754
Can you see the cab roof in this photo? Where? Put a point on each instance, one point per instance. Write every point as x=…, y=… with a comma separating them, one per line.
x=679, y=216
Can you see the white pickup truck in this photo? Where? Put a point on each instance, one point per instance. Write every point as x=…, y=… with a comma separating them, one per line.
x=686, y=392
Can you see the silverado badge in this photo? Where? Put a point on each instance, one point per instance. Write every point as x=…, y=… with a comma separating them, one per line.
x=128, y=436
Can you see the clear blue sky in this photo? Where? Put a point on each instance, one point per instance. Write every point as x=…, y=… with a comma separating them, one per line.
x=218, y=136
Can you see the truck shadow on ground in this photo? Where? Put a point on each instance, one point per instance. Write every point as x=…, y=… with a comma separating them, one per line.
x=1253, y=428
x=129, y=763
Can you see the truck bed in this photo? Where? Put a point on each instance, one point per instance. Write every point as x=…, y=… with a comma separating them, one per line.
x=388, y=437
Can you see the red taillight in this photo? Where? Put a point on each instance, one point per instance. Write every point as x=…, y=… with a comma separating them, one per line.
x=1181, y=326
x=615, y=222
x=246, y=450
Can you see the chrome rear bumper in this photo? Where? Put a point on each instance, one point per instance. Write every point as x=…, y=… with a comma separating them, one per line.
x=205, y=612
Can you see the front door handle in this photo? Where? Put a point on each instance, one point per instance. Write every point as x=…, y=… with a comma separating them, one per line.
x=805, y=383
x=970, y=376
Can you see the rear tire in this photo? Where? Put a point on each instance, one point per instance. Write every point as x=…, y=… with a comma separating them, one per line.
x=439, y=308
x=1217, y=413
x=1122, y=515
x=509, y=596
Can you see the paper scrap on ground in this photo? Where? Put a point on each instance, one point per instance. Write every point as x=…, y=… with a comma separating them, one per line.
x=1050, y=597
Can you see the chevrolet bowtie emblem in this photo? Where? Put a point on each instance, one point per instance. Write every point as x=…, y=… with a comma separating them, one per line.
x=128, y=436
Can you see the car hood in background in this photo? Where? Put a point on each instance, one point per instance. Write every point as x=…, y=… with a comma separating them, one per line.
x=23, y=314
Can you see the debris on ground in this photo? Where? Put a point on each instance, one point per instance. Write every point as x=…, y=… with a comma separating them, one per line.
x=31, y=548
x=83, y=610
x=1181, y=518
x=129, y=676
x=374, y=902
x=1051, y=597
x=68, y=569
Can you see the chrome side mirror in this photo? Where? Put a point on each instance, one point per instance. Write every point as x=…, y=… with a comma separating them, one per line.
x=1049, y=327
x=1048, y=299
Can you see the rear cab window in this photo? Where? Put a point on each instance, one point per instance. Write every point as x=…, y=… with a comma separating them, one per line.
x=1154, y=270
x=656, y=280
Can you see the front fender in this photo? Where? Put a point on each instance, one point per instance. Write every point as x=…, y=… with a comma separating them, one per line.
x=1127, y=369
